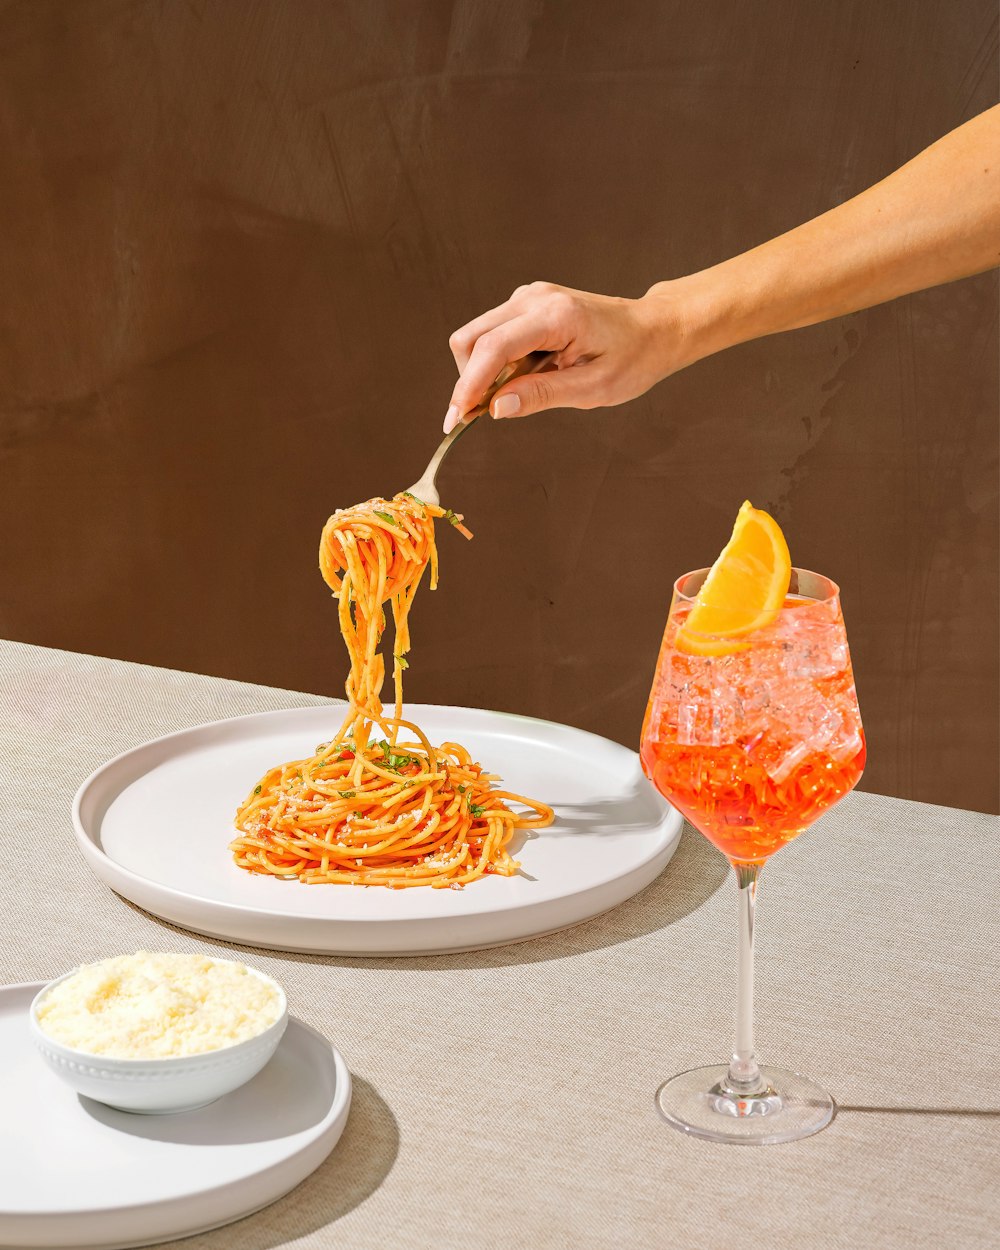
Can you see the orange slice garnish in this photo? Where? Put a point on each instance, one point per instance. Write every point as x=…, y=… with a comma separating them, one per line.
x=744, y=590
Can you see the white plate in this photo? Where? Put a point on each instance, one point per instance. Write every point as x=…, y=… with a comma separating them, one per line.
x=76, y=1173
x=155, y=824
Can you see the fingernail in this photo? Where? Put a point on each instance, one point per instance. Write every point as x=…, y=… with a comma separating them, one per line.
x=506, y=405
x=451, y=418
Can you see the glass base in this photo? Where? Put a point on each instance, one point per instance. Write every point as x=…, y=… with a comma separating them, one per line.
x=788, y=1107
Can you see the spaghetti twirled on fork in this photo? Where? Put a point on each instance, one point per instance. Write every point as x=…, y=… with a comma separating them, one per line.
x=368, y=808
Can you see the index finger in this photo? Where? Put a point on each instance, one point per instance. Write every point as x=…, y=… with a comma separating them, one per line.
x=465, y=337
x=529, y=332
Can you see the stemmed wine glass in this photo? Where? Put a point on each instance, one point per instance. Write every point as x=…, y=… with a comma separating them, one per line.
x=752, y=745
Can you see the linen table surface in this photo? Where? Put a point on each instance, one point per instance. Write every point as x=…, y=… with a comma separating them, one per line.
x=504, y=1098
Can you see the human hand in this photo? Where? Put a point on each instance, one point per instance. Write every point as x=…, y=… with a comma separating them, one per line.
x=608, y=350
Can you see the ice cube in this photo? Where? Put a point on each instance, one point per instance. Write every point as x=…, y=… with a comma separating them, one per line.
x=845, y=747
x=817, y=663
x=710, y=720
x=847, y=741
x=784, y=757
x=800, y=725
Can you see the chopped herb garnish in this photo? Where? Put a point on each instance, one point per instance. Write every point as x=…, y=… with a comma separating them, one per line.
x=402, y=661
x=461, y=789
x=450, y=516
x=387, y=517
x=476, y=810
x=348, y=794
x=392, y=759
x=256, y=789
x=410, y=495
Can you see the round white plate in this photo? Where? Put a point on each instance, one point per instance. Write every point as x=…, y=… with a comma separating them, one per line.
x=155, y=824
x=76, y=1173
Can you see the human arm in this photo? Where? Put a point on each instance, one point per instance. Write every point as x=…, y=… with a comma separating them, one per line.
x=935, y=219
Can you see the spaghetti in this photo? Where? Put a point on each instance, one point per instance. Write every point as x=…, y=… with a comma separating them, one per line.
x=366, y=808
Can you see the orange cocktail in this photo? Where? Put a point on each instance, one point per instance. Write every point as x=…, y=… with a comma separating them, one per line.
x=752, y=731
x=754, y=745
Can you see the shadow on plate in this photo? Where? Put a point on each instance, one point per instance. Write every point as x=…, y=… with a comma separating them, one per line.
x=635, y=812
x=358, y=1165
x=621, y=814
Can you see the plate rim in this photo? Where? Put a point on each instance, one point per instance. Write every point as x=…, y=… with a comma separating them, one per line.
x=333, y=1123
x=128, y=882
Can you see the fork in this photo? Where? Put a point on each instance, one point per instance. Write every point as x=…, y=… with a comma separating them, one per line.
x=424, y=487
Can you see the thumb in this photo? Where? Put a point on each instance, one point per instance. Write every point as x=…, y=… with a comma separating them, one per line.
x=572, y=387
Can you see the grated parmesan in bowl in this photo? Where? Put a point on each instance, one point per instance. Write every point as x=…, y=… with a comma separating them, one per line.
x=158, y=1032
x=147, y=1006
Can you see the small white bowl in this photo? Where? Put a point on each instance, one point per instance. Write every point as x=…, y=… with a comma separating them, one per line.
x=160, y=1086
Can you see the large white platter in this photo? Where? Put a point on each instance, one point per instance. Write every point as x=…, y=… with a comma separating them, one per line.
x=75, y=1173
x=155, y=824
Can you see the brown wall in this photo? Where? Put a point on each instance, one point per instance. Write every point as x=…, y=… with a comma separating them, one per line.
x=234, y=237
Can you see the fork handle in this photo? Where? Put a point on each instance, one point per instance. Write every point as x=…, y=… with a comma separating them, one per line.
x=425, y=488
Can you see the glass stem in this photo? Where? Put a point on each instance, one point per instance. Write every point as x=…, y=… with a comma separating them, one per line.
x=744, y=1075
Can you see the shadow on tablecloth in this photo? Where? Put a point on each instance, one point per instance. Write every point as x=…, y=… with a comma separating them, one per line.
x=358, y=1165
x=692, y=876
x=992, y=1113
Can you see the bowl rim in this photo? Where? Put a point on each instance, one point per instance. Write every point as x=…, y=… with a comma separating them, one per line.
x=127, y=1063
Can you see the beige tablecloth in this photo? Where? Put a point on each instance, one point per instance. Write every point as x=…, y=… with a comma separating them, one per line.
x=505, y=1098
